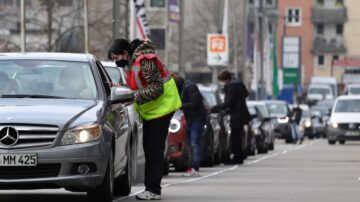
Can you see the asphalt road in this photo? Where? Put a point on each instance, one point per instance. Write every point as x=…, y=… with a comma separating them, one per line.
x=311, y=172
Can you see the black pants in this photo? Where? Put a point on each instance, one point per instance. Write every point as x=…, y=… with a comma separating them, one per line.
x=236, y=143
x=154, y=137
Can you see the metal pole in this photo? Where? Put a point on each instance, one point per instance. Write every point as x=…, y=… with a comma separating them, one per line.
x=245, y=44
x=86, y=26
x=116, y=19
x=181, y=40
x=235, y=49
x=166, y=19
x=262, y=90
x=22, y=26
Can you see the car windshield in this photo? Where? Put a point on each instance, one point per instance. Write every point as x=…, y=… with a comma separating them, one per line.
x=355, y=90
x=209, y=98
x=263, y=110
x=305, y=113
x=277, y=109
x=114, y=74
x=319, y=91
x=46, y=79
x=348, y=106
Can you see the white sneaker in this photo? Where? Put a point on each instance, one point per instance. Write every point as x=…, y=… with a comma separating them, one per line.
x=191, y=173
x=148, y=195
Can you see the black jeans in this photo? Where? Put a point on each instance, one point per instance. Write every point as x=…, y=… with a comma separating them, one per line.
x=154, y=137
x=236, y=143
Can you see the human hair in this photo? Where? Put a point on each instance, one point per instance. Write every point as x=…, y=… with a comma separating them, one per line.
x=134, y=44
x=224, y=75
x=118, y=47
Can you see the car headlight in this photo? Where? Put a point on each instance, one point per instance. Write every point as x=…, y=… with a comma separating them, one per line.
x=308, y=124
x=283, y=120
x=334, y=125
x=175, y=126
x=82, y=134
x=257, y=131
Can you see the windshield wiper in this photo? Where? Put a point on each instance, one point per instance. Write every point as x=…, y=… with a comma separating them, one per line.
x=30, y=96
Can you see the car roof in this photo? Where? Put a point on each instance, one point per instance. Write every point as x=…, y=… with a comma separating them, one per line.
x=275, y=102
x=256, y=102
x=78, y=57
x=108, y=63
x=348, y=97
x=208, y=88
x=354, y=85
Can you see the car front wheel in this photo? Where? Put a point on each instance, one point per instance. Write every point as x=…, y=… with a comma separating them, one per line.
x=104, y=192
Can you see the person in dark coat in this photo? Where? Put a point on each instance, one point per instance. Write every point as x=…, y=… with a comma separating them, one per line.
x=296, y=115
x=195, y=115
x=235, y=104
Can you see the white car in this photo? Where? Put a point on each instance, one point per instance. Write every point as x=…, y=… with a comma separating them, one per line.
x=317, y=92
x=352, y=89
x=344, y=123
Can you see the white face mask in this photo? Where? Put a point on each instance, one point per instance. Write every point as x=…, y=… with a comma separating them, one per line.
x=222, y=83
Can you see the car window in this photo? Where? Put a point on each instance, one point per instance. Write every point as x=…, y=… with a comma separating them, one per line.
x=263, y=110
x=305, y=113
x=355, y=90
x=105, y=78
x=348, y=106
x=114, y=74
x=209, y=98
x=277, y=109
x=319, y=91
x=47, y=78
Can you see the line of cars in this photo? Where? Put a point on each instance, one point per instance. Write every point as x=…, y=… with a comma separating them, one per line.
x=63, y=125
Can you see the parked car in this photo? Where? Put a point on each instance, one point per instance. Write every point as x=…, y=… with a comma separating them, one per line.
x=215, y=144
x=178, y=149
x=262, y=126
x=117, y=76
x=344, y=124
x=63, y=126
x=280, y=114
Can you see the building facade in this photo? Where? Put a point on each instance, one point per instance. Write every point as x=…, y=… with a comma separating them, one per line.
x=329, y=18
x=295, y=41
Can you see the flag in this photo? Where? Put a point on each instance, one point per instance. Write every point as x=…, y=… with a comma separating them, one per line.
x=275, y=68
x=139, y=26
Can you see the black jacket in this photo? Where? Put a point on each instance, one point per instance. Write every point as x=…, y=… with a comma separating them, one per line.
x=296, y=115
x=235, y=103
x=192, y=101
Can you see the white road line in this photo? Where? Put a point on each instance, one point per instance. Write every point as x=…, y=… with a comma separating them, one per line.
x=224, y=170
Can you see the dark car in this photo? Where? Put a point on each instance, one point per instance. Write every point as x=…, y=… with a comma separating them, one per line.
x=280, y=113
x=62, y=125
x=262, y=126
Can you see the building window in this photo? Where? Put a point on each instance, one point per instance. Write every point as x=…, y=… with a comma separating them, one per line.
x=293, y=17
x=269, y=2
x=158, y=37
x=157, y=3
x=339, y=29
x=320, y=29
x=320, y=2
x=251, y=2
x=339, y=2
x=10, y=3
x=335, y=57
x=321, y=60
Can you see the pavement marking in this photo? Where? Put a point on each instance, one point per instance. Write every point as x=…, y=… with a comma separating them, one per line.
x=222, y=171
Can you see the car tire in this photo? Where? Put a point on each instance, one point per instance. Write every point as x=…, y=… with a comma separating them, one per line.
x=342, y=142
x=104, y=192
x=331, y=142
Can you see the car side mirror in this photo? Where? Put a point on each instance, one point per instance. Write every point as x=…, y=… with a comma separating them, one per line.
x=266, y=119
x=121, y=94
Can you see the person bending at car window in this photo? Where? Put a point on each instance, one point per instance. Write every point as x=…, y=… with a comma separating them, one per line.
x=235, y=104
x=195, y=115
x=72, y=79
x=156, y=100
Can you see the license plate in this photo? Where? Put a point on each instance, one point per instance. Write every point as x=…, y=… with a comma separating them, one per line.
x=352, y=133
x=18, y=160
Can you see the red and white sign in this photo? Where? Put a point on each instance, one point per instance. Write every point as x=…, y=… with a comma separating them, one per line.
x=217, y=49
x=347, y=63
